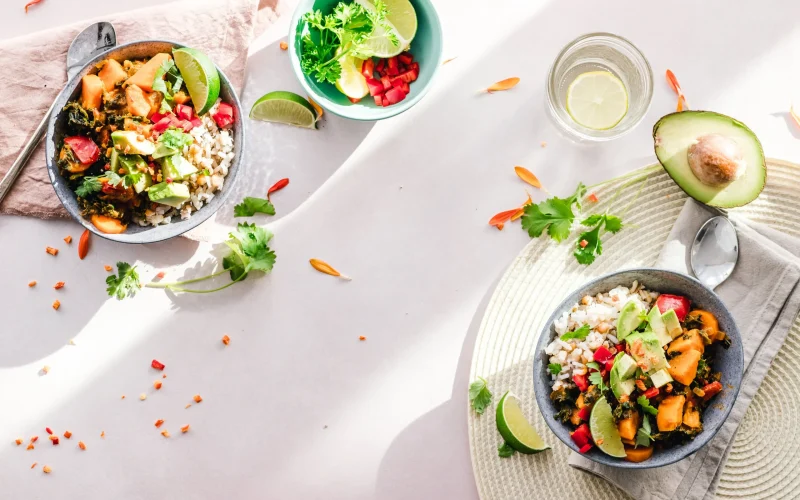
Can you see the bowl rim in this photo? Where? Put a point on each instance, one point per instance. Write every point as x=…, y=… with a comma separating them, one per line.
x=199, y=216
x=539, y=366
x=379, y=114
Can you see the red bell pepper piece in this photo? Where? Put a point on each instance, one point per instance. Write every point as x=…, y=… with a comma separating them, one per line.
x=375, y=87
x=368, y=68
x=86, y=151
x=584, y=413
x=384, y=101
x=405, y=88
x=380, y=66
x=183, y=112
x=378, y=99
x=186, y=125
x=651, y=392
x=395, y=95
x=602, y=354
x=406, y=58
x=711, y=390
x=158, y=365
x=224, y=115
x=397, y=82
x=163, y=124
x=391, y=66
x=677, y=303
x=582, y=381
x=585, y=448
x=156, y=117
x=386, y=82
x=607, y=365
x=582, y=436
x=195, y=121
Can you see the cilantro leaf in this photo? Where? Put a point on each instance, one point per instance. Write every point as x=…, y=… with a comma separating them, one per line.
x=554, y=368
x=613, y=223
x=505, y=451
x=175, y=139
x=589, y=246
x=643, y=436
x=479, y=395
x=579, y=334
x=250, y=206
x=594, y=365
x=596, y=378
x=251, y=253
x=645, y=404
x=592, y=220
x=554, y=214
x=89, y=185
x=124, y=285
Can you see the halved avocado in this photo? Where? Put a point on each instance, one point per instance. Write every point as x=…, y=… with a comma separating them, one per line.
x=723, y=151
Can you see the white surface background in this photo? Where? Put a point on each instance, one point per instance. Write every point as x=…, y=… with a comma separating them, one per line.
x=296, y=407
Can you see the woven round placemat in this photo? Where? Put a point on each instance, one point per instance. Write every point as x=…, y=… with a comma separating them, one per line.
x=765, y=460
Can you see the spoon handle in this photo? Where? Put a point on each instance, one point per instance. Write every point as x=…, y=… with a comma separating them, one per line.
x=27, y=151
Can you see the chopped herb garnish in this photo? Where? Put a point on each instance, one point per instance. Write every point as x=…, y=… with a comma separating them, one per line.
x=505, y=451
x=479, y=395
x=643, y=436
x=645, y=404
x=89, y=185
x=554, y=368
x=126, y=284
x=580, y=334
x=250, y=206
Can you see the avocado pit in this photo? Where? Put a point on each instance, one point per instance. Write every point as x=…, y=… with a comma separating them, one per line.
x=716, y=160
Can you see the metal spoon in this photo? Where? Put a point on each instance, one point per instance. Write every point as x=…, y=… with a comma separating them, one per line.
x=715, y=251
x=94, y=40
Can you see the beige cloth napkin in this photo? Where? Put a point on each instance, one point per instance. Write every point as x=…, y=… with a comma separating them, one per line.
x=763, y=295
x=221, y=28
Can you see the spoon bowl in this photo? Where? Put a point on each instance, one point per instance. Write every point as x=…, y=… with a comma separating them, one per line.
x=715, y=251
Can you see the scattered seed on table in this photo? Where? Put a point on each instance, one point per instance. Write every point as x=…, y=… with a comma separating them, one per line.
x=18, y=441
x=32, y=284
x=56, y=305
x=81, y=445
x=185, y=429
x=544, y=144
x=284, y=45
x=103, y=434
x=46, y=469
x=163, y=375
x=157, y=384
x=362, y=338
x=226, y=340
x=187, y=406
x=30, y=446
x=48, y=430
x=52, y=251
x=59, y=285
x=68, y=240
x=71, y=342
x=67, y=434
x=142, y=396
x=161, y=275
x=197, y=398
x=34, y=439
x=34, y=464
x=108, y=268
x=159, y=423
x=165, y=433
x=123, y=397
x=54, y=439
x=46, y=369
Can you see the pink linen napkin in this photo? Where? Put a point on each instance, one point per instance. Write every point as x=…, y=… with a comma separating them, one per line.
x=221, y=28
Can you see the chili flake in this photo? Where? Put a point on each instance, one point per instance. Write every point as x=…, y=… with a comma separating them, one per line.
x=284, y=45
x=159, y=423
x=163, y=375
x=165, y=433
x=67, y=434
x=54, y=439
x=361, y=337
x=158, y=365
x=197, y=398
x=18, y=441
x=56, y=305
x=34, y=464
x=45, y=368
x=108, y=268
x=46, y=469
x=52, y=251
x=32, y=284
x=30, y=446
x=59, y=285
x=185, y=429
x=593, y=198
x=157, y=384
x=81, y=445
x=226, y=340
x=47, y=429
x=187, y=406
x=583, y=243
x=103, y=434
x=68, y=240
x=34, y=439
x=161, y=275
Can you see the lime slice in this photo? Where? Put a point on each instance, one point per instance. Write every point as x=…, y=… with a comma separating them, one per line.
x=604, y=431
x=284, y=107
x=402, y=20
x=351, y=82
x=200, y=75
x=515, y=429
x=597, y=100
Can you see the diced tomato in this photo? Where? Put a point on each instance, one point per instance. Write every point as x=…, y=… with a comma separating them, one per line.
x=186, y=125
x=378, y=99
x=391, y=66
x=607, y=365
x=375, y=87
x=158, y=365
x=163, y=124
x=384, y=101
x=183, y=112
x=368, y=68
x=585, y=448
x=387, y=84
x=354, y=99
x=711, y=390
x=406, y=58
x=156, y=117
x=651, y=392
x=397, y=82
x=86, y=151
x=582, y=381
x=224, y=115
x=602, y=354
x=677, y=303
x=582, y=436
x=195, y=121
x=395, y=95
x=584, y=413
x=380, y=66
x=405, y=88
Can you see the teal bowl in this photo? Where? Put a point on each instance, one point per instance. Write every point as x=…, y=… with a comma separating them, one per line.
x=426, y=48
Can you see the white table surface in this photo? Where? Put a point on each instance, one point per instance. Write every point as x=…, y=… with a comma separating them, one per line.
x=297, y=407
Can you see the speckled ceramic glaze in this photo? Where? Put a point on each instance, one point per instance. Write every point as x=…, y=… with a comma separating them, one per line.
x=426, y=47
x=136, y=233
x=729, y=362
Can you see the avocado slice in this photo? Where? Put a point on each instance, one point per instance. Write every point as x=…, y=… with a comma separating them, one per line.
x=127, y=142
x=715, y=159
x=113, y=162
x=656, y=324
x=646, y=350
x=163, y=150
x=660, y=378
x=630, y=317
x=135, y=169
x=672, y=323
x=172, y=194
x=621, y=372
x=176, y=167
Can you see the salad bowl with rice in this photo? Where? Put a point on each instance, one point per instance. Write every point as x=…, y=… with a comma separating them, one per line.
x=639, y=368
x=147, y=142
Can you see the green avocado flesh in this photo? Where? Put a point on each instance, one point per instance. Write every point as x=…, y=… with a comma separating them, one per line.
x=675, y=133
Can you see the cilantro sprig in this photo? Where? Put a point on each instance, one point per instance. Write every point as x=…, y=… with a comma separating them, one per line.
x=125, y=284
x=554, y=368
x=505, y=451
x=644, y=403
x=580, y=334
x=643, y=435
x=90, y=184
x=167, y=80
x=480, y=397
x=343, y=32
x=250, y=206
x=588, y=246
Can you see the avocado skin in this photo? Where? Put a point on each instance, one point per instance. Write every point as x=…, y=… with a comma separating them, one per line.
x=734, y=122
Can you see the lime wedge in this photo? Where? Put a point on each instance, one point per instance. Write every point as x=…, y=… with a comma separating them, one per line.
x=597, y=100
x=604, y=431
x=402, y=20
x=515, y=429
x=284, y=107
x=200, y=75
x=351, y=82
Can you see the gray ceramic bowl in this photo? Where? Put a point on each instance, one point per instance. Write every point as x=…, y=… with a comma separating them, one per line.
x=55, y=133
x=729, y=362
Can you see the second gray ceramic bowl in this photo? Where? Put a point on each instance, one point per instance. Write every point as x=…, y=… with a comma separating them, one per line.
x=730, y=362
x=55, y=134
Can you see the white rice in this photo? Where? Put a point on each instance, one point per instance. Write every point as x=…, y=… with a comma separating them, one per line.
x=600, y=313
x=212, y=154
